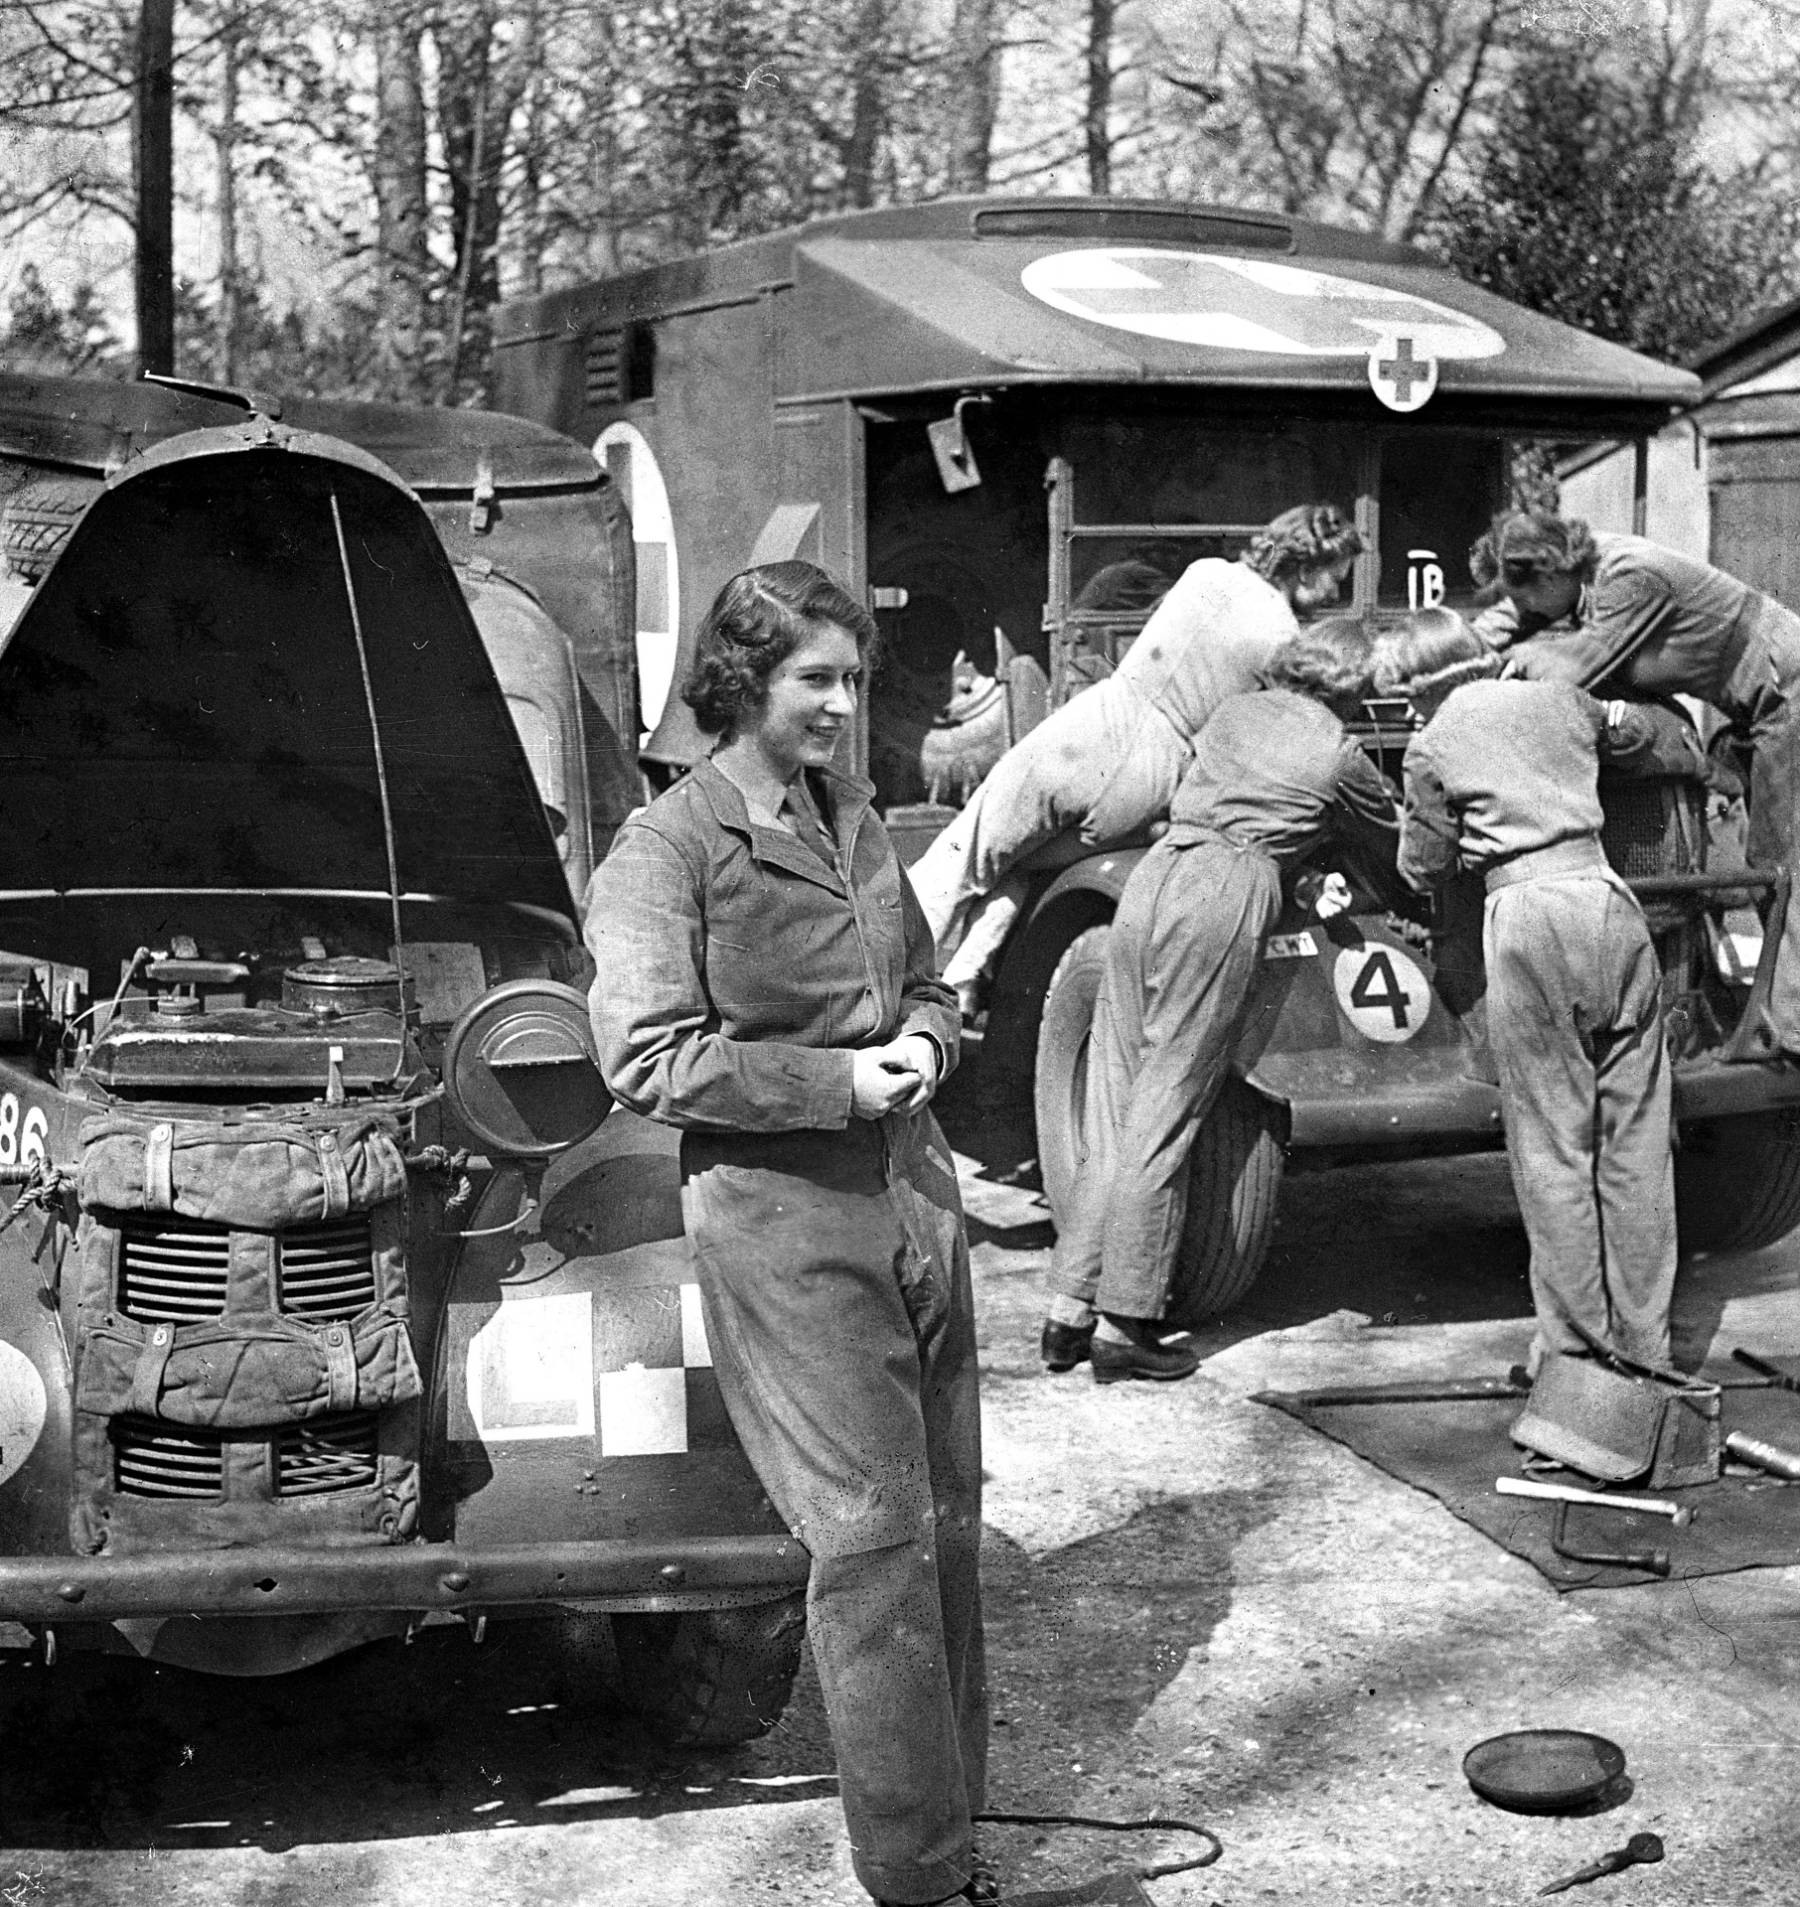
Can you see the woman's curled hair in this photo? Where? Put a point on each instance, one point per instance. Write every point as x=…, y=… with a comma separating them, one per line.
x=1311, y=536
x=1328, y=661
x=755, y=623
x=1432, y=647
x=1522, y=547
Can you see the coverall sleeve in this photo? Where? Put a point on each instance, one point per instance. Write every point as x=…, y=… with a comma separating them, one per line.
x=661, y=1048
x=1365, y=820
x=926, y=1005
x=1428, y=828
x=1628, y=609
x=1644, y=738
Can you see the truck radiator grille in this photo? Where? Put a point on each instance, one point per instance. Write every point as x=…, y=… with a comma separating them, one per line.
x=1653, y=827
x=328, y=1270
x=320, y=1458
x=172, y=1272
x=151, y=1459
x=326, y=1455
x=177, y=1271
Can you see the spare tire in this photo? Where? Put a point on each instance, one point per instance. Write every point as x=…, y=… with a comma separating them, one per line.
x=36, y=521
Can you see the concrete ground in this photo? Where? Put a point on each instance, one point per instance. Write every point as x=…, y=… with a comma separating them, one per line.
x=1197, y=1608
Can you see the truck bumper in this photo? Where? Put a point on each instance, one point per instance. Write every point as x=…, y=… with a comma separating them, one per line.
x=423, y=1577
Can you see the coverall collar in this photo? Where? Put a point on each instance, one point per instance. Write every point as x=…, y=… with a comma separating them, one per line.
x=849, y=796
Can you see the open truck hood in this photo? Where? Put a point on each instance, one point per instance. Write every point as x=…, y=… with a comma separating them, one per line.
x=183, y=705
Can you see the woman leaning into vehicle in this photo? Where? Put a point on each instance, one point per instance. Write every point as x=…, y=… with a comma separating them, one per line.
x=1651, y=622
x=765, y=983
x=1106, y=764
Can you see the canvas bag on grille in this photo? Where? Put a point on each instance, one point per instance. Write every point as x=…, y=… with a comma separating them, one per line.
x=251, y=1367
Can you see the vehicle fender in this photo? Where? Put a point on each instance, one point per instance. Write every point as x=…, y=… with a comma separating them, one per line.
x=573, y=1397
x=36, y=1380
x=1347, y=1032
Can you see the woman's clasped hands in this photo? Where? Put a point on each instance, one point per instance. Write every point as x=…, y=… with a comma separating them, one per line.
x=898, y=1077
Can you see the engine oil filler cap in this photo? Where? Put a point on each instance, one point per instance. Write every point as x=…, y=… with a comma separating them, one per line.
x=1543, y=1770
x=521, y=1071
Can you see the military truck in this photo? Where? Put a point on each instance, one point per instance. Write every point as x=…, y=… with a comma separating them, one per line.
x=1011, y=422
x=334, y=1297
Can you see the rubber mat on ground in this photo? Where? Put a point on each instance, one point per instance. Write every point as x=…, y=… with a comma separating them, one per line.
x=1451, y=1440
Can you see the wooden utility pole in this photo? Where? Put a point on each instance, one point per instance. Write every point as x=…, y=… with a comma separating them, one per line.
x=154, y=151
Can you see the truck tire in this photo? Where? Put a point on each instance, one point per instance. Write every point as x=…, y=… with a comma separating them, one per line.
x=1234, y=1171
x=1737, y=1181
x=36, y=521
x=706, y=1678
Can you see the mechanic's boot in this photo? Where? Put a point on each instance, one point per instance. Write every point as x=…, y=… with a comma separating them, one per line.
x=1063, y=1346
x=981, y=1889
x=1141, y=1354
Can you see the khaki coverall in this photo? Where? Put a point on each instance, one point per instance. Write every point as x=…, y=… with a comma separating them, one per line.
x=1273, y=775
x=1504, y=778
x=737, y=970
x=1657, y=623
x=1107, y=763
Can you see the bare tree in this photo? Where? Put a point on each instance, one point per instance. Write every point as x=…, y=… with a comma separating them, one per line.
x=403, y=263
x=1096, y=126
x=973, y=92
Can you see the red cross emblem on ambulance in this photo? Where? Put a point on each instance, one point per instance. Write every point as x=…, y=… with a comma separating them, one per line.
x=1400, y=374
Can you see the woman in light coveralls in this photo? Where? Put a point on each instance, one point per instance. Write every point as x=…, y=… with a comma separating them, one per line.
x=1503, y=778
x=765, y=983
x=1106, y=764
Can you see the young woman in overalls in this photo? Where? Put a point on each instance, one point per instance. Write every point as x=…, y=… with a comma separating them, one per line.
x=766, y=984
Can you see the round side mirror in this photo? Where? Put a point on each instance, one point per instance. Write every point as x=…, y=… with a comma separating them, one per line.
x=521, y=1072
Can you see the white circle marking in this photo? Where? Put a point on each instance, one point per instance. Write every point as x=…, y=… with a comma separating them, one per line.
x=23, y=1408
x=1381, y=992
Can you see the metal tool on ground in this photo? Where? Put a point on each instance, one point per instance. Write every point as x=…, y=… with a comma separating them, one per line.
x=1680, y=1514
x=1656, y=1561
x=1641, y=1849
x=1763, y=1368
x=1118, y=1888
x=1764, y=1456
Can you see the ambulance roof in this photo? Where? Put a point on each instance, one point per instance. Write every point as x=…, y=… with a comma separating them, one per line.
x=966, y=293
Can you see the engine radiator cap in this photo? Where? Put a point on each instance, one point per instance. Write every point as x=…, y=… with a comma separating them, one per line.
x=346, y=984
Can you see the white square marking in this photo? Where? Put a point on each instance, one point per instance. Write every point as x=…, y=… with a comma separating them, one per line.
x=696, y=1353
x=531, y=1370
x=643, y=1413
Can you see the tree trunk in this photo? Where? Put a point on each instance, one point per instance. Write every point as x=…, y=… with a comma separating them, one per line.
x=974, y=66
x=477, y=96
x=229, y=279
x=1101, y=14
x=868, y=105
x=403, y=258
x=154, y=151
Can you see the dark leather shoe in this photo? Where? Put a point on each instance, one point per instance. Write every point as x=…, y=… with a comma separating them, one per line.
x=1145, y=1356
x=982, y=1889
x=1065, y=1345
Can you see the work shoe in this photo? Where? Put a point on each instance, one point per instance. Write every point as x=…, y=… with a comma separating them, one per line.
x=1146, y=1355
x=981, y=1889
x=1065, y=1345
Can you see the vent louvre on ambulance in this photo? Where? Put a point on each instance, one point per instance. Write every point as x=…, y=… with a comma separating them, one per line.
x=619, y=365
x=1125, y=225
